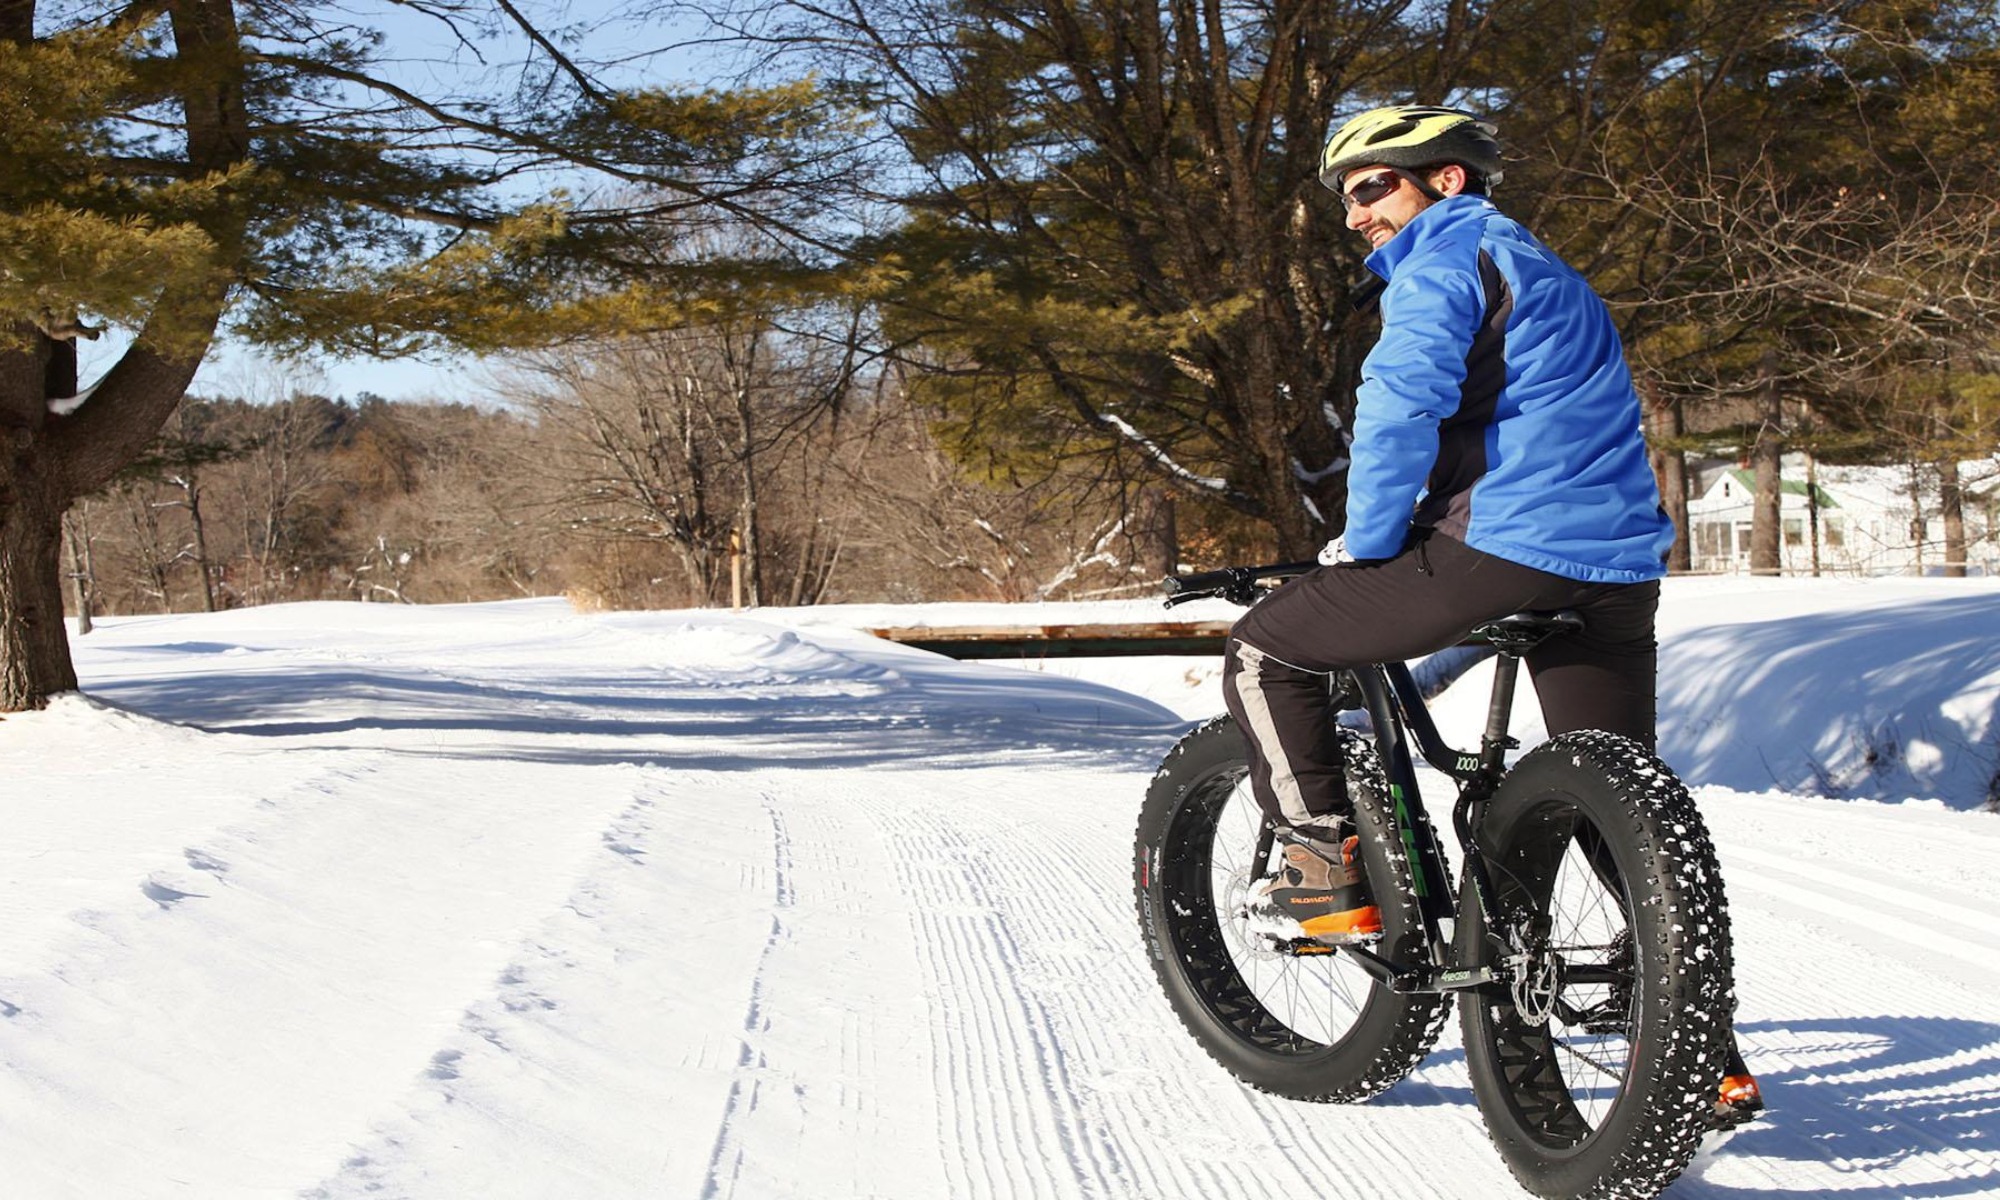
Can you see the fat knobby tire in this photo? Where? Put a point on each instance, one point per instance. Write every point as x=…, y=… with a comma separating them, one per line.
x=1186, y=942
x=1678, y=1021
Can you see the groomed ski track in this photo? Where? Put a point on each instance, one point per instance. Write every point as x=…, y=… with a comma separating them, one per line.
x=509, y=902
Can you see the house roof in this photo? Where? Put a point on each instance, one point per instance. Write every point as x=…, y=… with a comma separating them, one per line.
x=1789, y=487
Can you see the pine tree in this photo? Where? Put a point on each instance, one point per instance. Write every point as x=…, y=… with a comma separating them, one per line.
x=185, y=168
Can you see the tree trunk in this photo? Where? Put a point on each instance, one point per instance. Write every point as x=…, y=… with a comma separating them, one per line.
x=191, y=489
x=1300, y=531
x=1812, y=509
x=1155, y=533
x=143, y=516
x=1670, y=472
x=750, y=520
x=1951, y=500
x=82, y=565
x=34, y=645
x=1918, y=525
x=1766, y=452
x=46, y=459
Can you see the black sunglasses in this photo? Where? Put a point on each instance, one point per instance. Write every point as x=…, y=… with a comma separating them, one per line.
x=1371, y=190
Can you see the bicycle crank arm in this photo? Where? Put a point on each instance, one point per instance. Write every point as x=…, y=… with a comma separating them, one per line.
x=1402, y=977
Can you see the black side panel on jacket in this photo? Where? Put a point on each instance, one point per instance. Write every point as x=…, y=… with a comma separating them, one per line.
x=1461, y=460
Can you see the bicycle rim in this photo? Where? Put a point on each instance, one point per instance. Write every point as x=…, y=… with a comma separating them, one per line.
x=1279, y=1002
x=1596, y=1066
x=1568, y=1072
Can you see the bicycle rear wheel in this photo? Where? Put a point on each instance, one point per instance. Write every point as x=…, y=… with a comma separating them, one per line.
x=1313, y=1027
x=1596, y=1077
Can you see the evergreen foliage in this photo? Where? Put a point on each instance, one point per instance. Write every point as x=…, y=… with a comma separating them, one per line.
x=1112, y=246
x=184, y=167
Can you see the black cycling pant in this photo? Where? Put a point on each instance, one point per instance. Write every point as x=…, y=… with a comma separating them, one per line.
x=1427, y=598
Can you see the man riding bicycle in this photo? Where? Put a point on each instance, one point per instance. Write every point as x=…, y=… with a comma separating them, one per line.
x=1497, y=465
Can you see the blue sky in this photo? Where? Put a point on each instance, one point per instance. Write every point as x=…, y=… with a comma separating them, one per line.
x=422, y=47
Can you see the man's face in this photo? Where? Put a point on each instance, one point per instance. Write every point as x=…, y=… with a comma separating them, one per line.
x=1380, y=202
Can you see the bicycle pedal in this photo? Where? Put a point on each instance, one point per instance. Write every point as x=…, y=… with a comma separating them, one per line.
x=1309, y=947
x=1726, y=1119
x=1606, y=1023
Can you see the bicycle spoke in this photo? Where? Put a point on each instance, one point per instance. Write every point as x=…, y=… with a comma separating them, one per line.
x=1316, y=998
x=1311, y=1026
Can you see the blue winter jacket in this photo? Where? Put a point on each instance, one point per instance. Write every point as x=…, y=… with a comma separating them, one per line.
x=1497, y=408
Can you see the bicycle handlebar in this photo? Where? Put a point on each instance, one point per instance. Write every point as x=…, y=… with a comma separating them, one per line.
x=1238, y=585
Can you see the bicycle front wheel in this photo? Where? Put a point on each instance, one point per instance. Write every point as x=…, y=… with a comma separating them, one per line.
x=1312, y=1027
x=1596, y=1071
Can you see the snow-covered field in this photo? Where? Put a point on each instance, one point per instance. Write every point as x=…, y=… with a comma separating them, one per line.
x=511, y=901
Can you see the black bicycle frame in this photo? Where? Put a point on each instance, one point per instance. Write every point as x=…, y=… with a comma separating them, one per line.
x=1396, y=708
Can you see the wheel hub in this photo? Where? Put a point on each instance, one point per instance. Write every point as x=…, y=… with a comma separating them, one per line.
x=1537, y=982
x=1236, y=903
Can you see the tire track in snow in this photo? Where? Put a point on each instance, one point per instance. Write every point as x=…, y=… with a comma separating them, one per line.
x=560, y=1070
x=1857, y=1085
x=1035, y=954
x=1003, y=1077
x=1061, y=947
x=725, y=1162
x=752, y=882
x=827, y=1082
x=1926, y=916
x=1906, y=938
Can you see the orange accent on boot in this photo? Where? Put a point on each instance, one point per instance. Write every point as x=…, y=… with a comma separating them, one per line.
x=1740, y=1090
x=1355, y=921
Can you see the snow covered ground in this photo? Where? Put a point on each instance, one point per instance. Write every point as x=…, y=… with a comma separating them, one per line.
x=509, y=901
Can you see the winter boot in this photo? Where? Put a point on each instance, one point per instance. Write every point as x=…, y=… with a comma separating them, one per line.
x=1316, y=898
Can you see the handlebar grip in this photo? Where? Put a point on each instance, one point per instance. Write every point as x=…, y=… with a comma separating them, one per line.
x=1207, y=583
x=1238, y=585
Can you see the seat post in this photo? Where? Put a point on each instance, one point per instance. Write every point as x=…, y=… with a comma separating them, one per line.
x=1493, y=746
x=1512, y=638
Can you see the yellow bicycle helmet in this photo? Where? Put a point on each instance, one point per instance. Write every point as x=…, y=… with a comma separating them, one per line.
x=1411, y=136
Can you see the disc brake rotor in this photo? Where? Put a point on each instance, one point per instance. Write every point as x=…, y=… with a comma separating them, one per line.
x=1537, y=981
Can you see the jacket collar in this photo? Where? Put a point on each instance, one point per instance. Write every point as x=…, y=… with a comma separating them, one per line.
x=1425, y=228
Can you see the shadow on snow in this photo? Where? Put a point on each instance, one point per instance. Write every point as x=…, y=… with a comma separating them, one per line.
x=920, y=710
x=1881, y=703
x=1864, y=1095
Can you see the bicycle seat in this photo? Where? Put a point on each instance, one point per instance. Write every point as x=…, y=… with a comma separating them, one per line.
x=1520, y=632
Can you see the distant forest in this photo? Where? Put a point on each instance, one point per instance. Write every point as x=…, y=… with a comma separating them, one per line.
x=623, y=483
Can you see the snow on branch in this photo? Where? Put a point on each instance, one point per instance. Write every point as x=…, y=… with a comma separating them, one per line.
x=1209, y=483
x=1333, y=422
x=63, y=406
x=1099, y=553
x=1303, y=475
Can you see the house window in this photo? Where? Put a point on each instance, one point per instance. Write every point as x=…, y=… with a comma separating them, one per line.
x=1834, y=532
x=1743, y=540
x=1795, y=532
x=1711, y=540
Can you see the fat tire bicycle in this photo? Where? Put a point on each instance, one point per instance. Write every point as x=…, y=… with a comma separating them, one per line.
x=1588, y=942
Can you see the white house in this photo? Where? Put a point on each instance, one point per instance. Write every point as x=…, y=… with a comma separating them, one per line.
x=1857, y=519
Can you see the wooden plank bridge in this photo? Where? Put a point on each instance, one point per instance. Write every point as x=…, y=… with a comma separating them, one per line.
x=1063, y=641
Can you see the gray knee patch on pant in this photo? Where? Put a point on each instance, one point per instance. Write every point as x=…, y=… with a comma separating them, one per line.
x=1294, y=816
